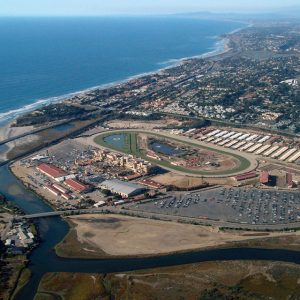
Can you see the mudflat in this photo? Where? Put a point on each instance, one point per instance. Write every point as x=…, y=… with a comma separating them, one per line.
x=116, y=235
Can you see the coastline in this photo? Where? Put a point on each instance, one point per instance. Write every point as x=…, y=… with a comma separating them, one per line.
x=219, y=48
x=260, y=243
x=7, y=132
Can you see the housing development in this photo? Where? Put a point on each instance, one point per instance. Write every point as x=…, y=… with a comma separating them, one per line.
x=211, y=141
x=228, y=120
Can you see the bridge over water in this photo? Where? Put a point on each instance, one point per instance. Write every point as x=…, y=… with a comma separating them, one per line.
x=164, y=217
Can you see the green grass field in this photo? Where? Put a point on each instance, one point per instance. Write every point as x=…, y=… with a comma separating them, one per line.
x=132, y=147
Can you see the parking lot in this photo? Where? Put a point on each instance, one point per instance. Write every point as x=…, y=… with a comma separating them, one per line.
x=238, y=205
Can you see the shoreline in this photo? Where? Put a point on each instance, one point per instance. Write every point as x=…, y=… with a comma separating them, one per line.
x=229, y=246
x=219, y=48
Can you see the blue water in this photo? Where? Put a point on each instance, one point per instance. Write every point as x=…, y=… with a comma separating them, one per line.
x=116, y=141
x=42, y=58
x=164, y=149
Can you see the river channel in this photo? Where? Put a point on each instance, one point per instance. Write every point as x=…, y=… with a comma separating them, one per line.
x=53, y=229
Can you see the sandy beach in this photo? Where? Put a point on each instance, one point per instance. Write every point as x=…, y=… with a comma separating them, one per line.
x=7, y=131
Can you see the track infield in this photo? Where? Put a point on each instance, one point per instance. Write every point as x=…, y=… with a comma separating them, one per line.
x=131, y=147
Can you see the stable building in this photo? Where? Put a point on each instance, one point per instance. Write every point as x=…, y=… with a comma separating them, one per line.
x=52, y=171
x=77, y=186
x=264, y=177
x=244, y=179
x=125, y=189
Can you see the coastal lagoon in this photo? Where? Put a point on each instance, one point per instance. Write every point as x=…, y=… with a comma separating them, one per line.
x=44, y=59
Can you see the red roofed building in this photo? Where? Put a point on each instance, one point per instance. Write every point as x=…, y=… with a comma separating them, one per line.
x=51, y=171
x=53, y=190
x=76, y=186
x=264, y=177
x=289, y=179
x=60, y=188
x=245, y=176
x=206, y=131
x=66, y=196
x=151, y=183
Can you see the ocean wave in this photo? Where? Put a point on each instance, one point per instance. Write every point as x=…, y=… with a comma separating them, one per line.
x=5, y=117
x=11, y=114
x=8, y=116
x=218, y=48
x=169, y=61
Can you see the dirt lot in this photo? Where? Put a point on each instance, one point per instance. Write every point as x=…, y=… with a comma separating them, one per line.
x=244, y=280
x=114, y=235
x=179, y=181
x=187, y=182
x=121, y=124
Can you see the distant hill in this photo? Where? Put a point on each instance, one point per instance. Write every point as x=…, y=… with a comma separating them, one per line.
x=284, y=13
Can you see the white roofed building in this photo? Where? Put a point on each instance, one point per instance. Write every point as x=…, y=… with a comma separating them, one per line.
x=125, y=189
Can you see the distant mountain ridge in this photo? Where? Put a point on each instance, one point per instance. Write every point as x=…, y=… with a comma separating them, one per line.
x=287, y=12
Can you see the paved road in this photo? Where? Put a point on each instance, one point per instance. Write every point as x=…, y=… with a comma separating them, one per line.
x=60, y=213
x=34, y=131
x=158, y=216
x=53, y=142
x=232, y=125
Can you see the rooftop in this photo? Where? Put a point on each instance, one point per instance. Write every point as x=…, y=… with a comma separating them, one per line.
x=121, y=186
x=76, y=185
x=51, y=170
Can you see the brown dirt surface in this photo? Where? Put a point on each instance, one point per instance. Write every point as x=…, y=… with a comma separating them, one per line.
x=179, y=181
x=115, y=235
x=187, y=182
x=121, y=124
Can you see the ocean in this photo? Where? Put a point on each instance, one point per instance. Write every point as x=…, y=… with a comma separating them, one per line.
x=44, y=59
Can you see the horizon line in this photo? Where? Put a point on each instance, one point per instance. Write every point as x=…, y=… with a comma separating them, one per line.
x=211, y=12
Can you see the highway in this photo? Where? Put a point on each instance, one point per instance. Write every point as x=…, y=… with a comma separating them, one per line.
x=218, y=122
x=59, y=123
x=34, y=131
x=54, y=141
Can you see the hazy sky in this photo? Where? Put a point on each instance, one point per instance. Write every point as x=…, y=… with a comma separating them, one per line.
x=99, y=7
